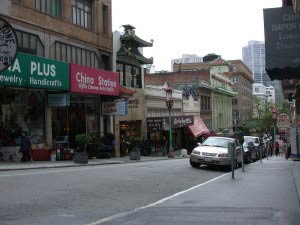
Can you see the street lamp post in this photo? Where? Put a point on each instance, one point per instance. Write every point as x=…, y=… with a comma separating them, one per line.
x=274, y=131
x=169, y=104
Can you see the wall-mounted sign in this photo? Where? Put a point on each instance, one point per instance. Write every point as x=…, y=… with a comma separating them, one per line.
x=187, y=91
x=119, y=108
x=282, y=43
x=154, y=124
x=8, y=44
x=35, y=72
x=94, y=81
x=162, y=123
x=58, y=100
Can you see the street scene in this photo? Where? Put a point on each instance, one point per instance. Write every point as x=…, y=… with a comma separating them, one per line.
x=124, y=112
x=157, y=191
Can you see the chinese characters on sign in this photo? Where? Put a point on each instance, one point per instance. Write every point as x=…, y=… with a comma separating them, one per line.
x=94, y=81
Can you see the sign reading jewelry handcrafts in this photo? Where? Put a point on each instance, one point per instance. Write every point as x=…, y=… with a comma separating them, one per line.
x=94, y=81
x=35, y=72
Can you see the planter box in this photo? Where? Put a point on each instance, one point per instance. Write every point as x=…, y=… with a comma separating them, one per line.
x=81, y=157
x=40, y=154
x=135, y=155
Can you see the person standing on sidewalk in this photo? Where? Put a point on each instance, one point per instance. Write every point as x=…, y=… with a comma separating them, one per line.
x=25, y=147
x=163, y=145
x=276, y=148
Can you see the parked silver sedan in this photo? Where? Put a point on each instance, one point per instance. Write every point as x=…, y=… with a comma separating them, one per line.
x=214, y=151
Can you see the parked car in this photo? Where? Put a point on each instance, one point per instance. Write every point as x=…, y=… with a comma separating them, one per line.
x=214, y=151
x=251, y=148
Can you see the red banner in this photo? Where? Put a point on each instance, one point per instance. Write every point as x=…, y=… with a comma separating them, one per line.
x=94, y=81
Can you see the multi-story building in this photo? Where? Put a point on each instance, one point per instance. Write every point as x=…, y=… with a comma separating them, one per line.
x=129, y=63
x=270, y=91
x=241, y=78
x=260, y=104
x=191, y=83
x=68, y=46
x=186, y=58
x=254, y=58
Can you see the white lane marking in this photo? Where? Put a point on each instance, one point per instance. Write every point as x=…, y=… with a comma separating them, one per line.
x=106, y=219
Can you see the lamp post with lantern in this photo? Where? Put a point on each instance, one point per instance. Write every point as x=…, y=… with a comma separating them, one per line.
x=169, y=104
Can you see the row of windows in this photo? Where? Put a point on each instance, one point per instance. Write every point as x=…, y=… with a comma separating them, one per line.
x=205, y=103
x=76, y=55
x=130, y=76
x=81, y=12
x=51, y=7
x=31, y=44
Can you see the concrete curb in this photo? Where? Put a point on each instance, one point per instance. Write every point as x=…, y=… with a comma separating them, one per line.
x=30, y=166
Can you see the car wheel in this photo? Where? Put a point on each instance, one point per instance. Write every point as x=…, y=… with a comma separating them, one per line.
x=194, y=164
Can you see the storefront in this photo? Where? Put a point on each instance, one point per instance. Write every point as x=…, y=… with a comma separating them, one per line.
x=24, y=87
x=90, y=88
x=158, y=127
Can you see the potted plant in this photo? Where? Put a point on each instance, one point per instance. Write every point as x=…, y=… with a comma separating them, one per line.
x=134, y=148
x=80, y=156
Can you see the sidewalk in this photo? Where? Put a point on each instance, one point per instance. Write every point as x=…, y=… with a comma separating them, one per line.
x=6, y=166
x=266, y=193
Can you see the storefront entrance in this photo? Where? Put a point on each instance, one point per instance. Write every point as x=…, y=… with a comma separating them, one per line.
x=128, y=129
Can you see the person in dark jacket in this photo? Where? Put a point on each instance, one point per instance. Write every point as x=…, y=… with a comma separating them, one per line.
x=163, y=144
x=25, y=147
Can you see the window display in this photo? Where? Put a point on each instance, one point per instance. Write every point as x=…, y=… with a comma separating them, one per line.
x=21, y=111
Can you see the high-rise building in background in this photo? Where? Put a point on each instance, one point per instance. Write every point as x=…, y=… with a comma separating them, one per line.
x=254, y=58
x=187, y=58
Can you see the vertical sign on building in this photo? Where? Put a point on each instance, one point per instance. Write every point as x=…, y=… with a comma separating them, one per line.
x=8, y=44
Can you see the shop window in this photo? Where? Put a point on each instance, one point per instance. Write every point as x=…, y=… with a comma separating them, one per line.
x=51, y=7
x=21, y=111
x=29, y=43
x=82, y=13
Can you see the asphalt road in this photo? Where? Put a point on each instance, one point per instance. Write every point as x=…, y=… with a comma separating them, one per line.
x=88, y=194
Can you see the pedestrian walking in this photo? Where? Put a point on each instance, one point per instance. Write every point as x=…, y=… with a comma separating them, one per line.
x=271, y=147
x=144, y=146
x=276, y=148
x=163, y=145
x=288, y=152
x=25, y=147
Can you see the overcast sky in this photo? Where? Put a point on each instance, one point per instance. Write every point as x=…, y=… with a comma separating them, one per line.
x=193, y=26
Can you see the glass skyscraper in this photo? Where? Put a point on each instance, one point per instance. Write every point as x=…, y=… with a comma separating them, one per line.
x=254, y=58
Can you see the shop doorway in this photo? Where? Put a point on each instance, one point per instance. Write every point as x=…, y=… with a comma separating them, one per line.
x=128, y=129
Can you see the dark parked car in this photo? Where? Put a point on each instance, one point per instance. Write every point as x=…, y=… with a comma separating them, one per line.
x=251, y=148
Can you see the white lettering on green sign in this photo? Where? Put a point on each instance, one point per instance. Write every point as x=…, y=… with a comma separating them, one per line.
x=36, y=72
